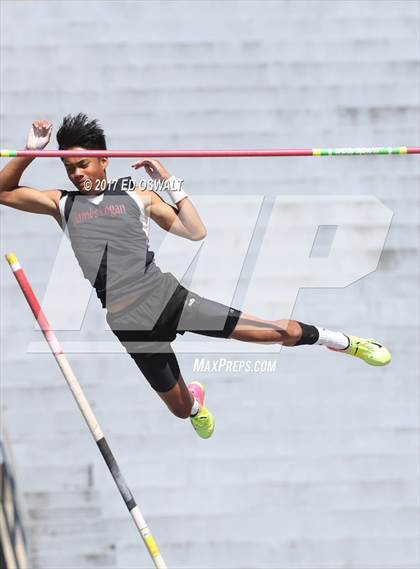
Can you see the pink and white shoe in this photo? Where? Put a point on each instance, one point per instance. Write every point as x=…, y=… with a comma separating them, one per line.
x=197, y=389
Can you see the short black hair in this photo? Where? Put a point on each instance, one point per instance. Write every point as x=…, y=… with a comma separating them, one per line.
x=80, y=131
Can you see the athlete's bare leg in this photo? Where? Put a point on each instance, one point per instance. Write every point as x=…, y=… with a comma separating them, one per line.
x=178, y=399
x=254, y=329
x=249, y=328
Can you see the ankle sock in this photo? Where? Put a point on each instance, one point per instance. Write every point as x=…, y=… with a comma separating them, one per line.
x=195, y=408
x=335, y=340
x=323, y=337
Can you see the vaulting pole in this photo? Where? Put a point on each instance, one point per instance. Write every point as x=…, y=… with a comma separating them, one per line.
x=86, y=410
x=382, y=150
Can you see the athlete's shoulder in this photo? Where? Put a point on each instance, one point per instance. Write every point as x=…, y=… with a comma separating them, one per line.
x=67, y=192
x=144, y=195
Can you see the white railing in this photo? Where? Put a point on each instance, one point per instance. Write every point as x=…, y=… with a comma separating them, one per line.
x=13, y=545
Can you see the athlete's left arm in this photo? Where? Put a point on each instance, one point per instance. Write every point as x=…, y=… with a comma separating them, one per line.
x=182, y=220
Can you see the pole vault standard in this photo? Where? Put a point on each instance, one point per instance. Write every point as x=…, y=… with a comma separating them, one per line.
x=382, y=150
x=86, y=411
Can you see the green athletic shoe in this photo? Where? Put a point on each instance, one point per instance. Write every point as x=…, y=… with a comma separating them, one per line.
x=367, y=350
x=203, y=422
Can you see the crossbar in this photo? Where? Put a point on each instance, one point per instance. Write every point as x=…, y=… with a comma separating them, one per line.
x=209, y=153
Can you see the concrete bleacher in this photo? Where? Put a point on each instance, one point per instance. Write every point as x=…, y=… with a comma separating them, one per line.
x=314, y=465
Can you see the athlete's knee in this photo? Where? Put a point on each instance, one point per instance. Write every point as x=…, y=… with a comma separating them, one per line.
x=289, y=331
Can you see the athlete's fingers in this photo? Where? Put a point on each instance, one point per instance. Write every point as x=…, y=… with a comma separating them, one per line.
x=39, y=135
x=137, y=164
x=150, y=168
x=41, y=131
x=142, y=163
x=42, y=126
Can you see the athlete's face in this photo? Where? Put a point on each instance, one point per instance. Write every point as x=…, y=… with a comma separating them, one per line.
x=86, y=173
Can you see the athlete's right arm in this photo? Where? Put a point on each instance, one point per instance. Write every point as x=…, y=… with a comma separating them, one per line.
x=23, y=197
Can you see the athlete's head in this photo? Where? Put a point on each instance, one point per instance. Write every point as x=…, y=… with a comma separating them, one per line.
x=79, y=133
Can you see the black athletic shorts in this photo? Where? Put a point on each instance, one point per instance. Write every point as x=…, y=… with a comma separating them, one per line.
x=146, y=329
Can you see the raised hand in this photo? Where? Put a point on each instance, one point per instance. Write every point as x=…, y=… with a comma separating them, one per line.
x=39, y=135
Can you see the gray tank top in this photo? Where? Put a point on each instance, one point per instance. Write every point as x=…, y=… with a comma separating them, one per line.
x=108, y=233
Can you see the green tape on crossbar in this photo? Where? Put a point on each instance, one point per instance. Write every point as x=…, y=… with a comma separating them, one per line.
x=359, y=151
